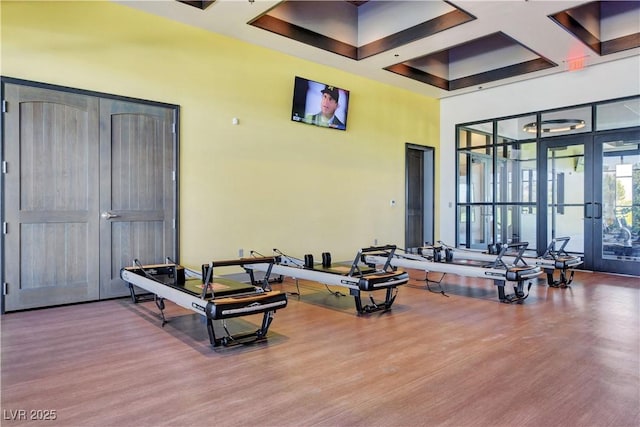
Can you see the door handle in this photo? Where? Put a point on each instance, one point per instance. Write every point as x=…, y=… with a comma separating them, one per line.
x=586, y=210
x=109, y=215
x=599, y=211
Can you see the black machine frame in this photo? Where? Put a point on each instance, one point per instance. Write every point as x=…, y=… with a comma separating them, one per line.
x=169, y=281
x=359, y=278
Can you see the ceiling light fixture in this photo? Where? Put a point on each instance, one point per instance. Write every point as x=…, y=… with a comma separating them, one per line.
x=557, y=125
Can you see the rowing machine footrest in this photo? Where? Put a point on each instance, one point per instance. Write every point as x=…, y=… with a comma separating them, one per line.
x=562, y=282
x=385, y=306
x=326, y=259
x=308, y=261
x=518, y=296
x=448, y=254
x=513, y=298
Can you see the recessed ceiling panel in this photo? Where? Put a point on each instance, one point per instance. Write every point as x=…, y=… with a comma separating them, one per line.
x=380, y=19
x=605, y=26
x=335, y=19
x=359, y=29
x=489, y=58
x=486, y=54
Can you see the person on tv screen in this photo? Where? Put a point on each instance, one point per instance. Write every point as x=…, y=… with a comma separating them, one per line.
x=328, y=106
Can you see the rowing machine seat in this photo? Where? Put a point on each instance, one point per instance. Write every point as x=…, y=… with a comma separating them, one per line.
x=569, y=261
x=517, y=273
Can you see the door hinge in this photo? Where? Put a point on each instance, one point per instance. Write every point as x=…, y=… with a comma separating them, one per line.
x=173, y=175
x=173, y=127
x=5, y=288
x=5, y=227
x=5, y=166
x=5, y=105
x=174, y=223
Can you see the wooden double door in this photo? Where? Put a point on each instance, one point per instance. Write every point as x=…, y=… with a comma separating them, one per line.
x=89, y=185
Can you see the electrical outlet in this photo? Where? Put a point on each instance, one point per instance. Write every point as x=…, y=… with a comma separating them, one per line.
x=240, y=252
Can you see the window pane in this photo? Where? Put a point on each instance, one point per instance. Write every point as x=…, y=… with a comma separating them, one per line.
x=513, y=130
x=477, y=135
x=477, y=187
x=569, y=224
x=565, y=166
x=618, y=115
x=462, y=226
x=481, y=175
x=565, y=122
x=621, y=200
x=481, y=225
x=515, y=174
x=478, y=222
x=516, y=224
x=529, y=185
x=463, y=193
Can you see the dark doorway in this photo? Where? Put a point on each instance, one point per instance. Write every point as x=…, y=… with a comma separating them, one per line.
x=419, y=222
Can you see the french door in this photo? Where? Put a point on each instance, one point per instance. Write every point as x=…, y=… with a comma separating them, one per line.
x=592, y=194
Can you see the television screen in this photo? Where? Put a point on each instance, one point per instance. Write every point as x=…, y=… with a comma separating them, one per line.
x=319, y=104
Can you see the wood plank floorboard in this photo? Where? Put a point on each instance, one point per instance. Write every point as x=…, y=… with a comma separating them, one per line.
x=566, y=357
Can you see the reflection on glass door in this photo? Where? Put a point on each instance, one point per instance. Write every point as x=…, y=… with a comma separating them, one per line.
x=617, y=216
x=566, y=194
x=593, y=197
x=481, y=188
x=475, y=188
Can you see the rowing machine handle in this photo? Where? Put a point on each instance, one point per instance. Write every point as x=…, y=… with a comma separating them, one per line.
x=378, y=248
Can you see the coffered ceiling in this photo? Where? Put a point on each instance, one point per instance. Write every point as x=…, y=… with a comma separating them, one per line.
x=433, y=47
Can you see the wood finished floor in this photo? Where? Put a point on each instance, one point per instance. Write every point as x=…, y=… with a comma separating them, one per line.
x=566, y=357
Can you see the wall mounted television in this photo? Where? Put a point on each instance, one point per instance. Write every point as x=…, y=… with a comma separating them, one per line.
x=319, y=104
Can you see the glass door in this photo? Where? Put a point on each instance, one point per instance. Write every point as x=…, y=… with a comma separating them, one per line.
x=563, y=197
x=592, y=195
x=615, y=213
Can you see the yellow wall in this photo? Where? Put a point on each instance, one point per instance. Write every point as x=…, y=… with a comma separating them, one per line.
x=266, y=183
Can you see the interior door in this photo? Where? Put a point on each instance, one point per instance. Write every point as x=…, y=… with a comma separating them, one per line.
x=565, y=194
x=566, y=163
x=419, y=220
x=615, y=213
x=592, y=195
x=89, y=184
x=51, y=215
x=138, y=189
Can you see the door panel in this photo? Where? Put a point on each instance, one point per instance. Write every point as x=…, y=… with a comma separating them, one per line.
x=566, y=193
x=50, y=198
x=137, y=198
x=616, y=207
